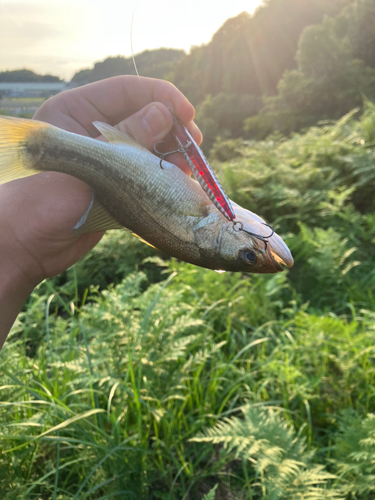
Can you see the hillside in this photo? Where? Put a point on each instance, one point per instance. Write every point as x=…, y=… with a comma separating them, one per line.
x=154, y=63
x=26, y=75
x=249, y=54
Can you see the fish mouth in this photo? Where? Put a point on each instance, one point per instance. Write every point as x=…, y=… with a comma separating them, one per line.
x=280, y=262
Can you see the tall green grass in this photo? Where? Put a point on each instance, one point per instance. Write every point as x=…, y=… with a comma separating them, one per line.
x=134, y=376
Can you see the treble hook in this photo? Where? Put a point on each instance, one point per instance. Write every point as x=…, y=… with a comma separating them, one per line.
x=238, y=226
x=181, y=149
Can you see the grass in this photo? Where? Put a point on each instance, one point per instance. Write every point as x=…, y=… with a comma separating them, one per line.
x=24, y=100
x=134, y=376
x=23, y=107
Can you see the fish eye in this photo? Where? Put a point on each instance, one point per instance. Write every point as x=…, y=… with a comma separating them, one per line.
x=248, y=257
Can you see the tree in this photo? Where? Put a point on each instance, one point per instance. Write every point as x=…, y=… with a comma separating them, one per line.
x=249, y=54
x=224, y=115
x=25, y=75
x=330, y=78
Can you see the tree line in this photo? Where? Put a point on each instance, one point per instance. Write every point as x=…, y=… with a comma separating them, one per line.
x=26, y=75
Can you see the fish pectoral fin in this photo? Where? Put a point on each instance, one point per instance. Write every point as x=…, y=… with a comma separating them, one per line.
x=95, y=219
x=114, y=136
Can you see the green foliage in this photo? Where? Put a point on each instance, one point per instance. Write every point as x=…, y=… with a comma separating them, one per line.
x=355, y=456
x=283, y=467
x=249, y=54
x=359, y=20
x=135, y=376
x=224, y=114
x=318, y=188
x=19, y=115
x=114, y=384
x=250, y=59
x=335, y=69
x=211, y=494
x=117, y=395
x=116, y=256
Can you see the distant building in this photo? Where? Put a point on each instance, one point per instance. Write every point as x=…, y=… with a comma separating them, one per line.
x=34, y=89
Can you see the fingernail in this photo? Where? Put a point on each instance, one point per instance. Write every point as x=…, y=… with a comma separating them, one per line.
x=154, y=121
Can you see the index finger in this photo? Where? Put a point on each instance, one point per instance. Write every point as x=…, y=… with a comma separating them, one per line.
x=117, y=98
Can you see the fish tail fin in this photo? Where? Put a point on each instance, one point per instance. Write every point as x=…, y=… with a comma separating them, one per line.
x=15, y=133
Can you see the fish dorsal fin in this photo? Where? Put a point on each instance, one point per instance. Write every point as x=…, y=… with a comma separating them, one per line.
x=114, y=136
x=95, y=219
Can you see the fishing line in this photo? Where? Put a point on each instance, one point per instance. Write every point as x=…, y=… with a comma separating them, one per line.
x=132, y=50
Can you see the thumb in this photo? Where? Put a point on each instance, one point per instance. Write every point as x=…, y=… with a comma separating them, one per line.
x=148, y=126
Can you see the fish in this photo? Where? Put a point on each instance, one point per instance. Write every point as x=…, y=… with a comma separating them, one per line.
x=162, y=206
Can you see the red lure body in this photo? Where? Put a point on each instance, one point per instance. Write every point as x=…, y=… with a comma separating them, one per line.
x=201, y=168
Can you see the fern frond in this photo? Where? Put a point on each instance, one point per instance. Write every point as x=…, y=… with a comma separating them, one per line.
x=279, y=458
x=211, y=494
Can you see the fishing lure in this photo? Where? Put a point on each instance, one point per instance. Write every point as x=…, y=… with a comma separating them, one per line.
x=199, y=166
x=201, y=169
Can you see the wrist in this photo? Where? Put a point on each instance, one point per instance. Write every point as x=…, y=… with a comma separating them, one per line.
x=18, y=274
x=15, y=288
x=18, y=267
x=14, y=280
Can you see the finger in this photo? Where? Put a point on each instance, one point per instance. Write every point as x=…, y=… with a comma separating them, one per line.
x=115, y=99
x=195, y=132
x=152, y=124
x=178, y=160
x=112, y=101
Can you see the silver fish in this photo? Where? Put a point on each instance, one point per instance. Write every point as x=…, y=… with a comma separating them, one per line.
x=164, y=207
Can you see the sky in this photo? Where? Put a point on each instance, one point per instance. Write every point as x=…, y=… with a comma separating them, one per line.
x=61, y=37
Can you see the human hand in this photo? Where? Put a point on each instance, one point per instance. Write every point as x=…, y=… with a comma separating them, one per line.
x=37, y=213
